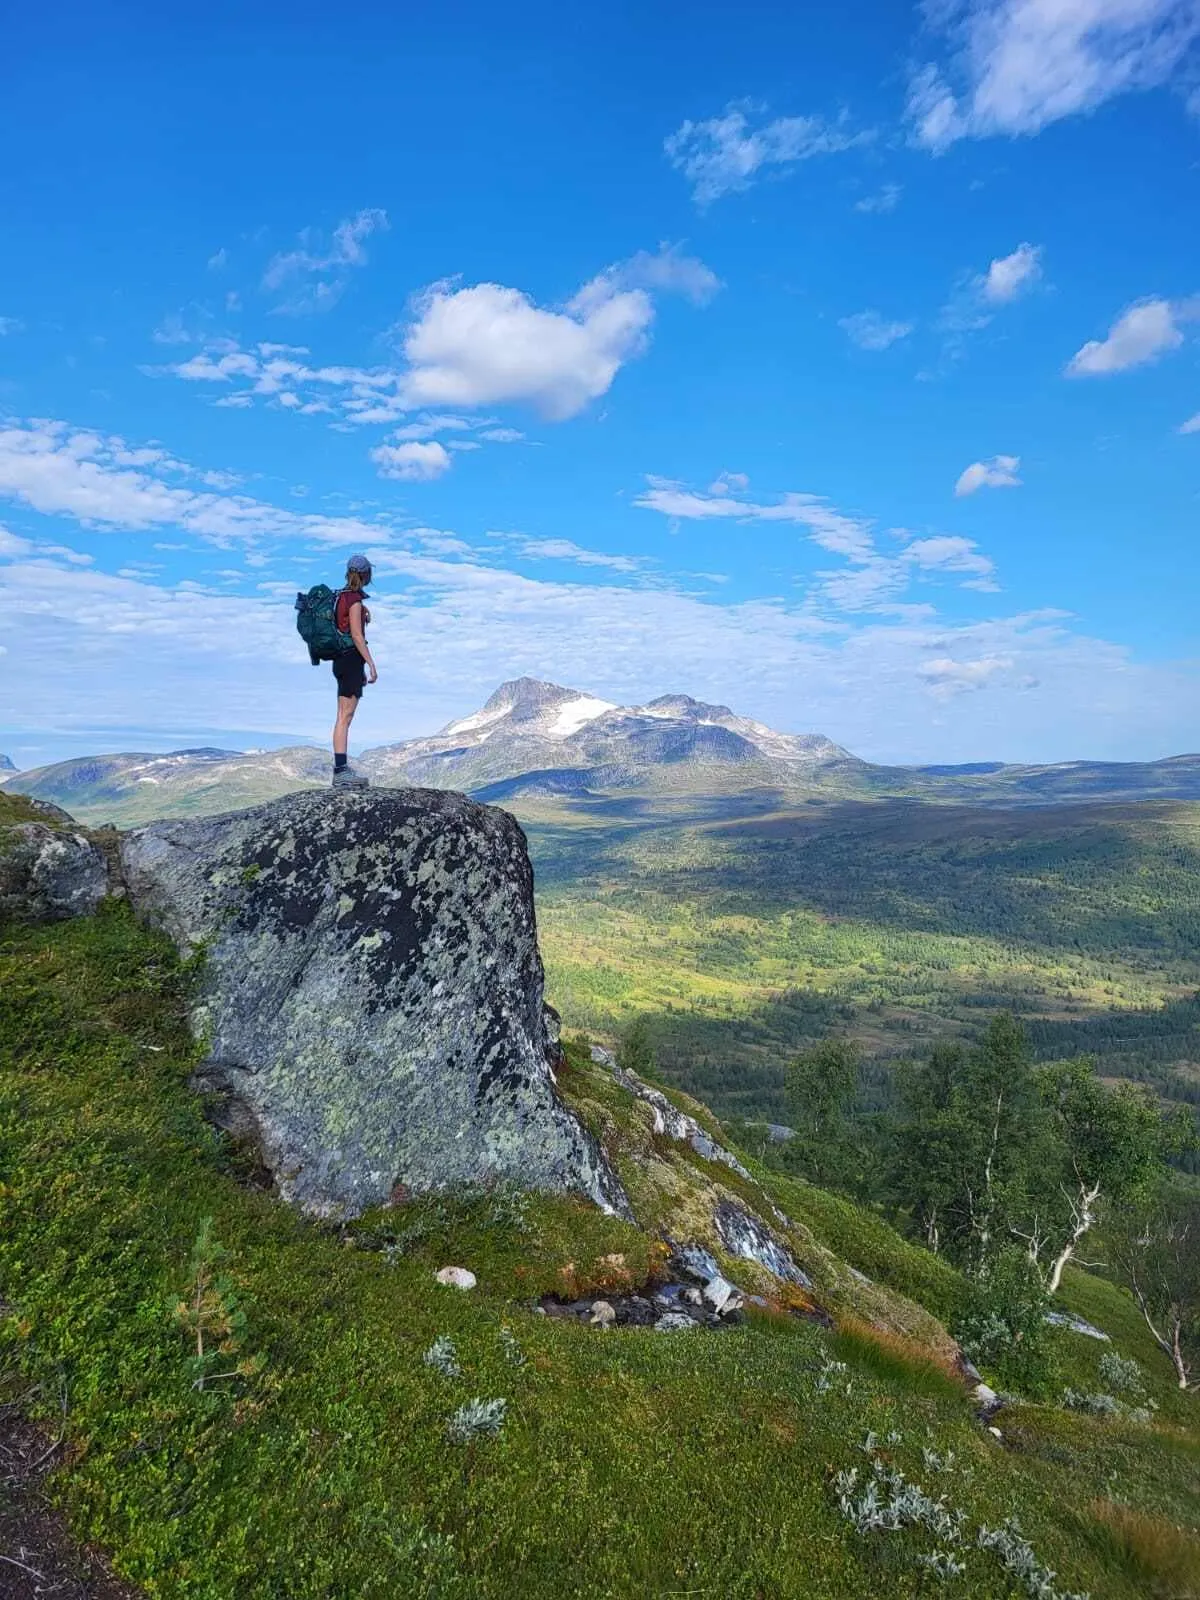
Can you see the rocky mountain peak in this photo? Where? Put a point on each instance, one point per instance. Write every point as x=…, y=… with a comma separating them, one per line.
x=526, y=697
x=683, y=706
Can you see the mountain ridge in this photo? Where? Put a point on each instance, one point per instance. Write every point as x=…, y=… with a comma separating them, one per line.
x=534, y=736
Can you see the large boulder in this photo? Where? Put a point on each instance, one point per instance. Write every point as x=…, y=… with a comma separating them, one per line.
x=371, y=993
x=48, y=872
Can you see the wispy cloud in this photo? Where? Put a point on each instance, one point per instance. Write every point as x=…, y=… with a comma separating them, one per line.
x=1143, y=332
x=10, y=325
x=1000, y=472
x=315, y=276
x=870, y=331
x=893, y=688
x=947, y=676
x=886, y=199
x=101, y=481
x=978, y=296
x=724, y=154
x=567, y=550
x=219, y=260
x=1192, y=425
x=1014, y=66
x=1008, y=276
x=873, y=580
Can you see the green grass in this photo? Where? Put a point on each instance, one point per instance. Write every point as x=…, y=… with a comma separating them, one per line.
x=742, y=937
x=630, y=1463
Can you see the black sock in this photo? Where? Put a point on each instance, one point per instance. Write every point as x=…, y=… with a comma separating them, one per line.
x=339, y=762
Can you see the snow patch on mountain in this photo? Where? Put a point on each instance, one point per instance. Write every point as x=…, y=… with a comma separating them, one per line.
x=574, y=714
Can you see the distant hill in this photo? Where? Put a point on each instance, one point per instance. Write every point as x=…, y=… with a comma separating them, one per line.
x=7, y=764
x=536, y=738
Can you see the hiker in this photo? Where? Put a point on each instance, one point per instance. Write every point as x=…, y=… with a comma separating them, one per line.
x=353, y=666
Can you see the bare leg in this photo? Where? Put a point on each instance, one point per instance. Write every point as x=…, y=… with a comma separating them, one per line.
x=346, y=707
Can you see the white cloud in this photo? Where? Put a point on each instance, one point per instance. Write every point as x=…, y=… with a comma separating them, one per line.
x=566, y=550
x=869, y=331
x=10, y=325
x=219, y=260
x=12, y=545
x=1192, y=425
x=724, y=154
x=446, y=631
x=887, y=199
x=948, y=676
x=666, y=270
x=978, y=295
x=471, y=347
x=100, y=481
x=1143, y=332
x=413, y=462
x=1008, y=276
x=318, y=275
x=999, y=472
x=489, y=344
x=1015, y=66
x=873, y=581
x=425, y=427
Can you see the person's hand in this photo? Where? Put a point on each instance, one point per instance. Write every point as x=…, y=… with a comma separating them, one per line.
x=372, y=674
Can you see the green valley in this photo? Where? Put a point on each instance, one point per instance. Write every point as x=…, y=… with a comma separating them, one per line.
x=741, y=927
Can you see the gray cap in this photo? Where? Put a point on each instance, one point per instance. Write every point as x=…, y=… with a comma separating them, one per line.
x=358, y=564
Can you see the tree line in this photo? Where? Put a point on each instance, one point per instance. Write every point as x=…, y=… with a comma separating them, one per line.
x=1010, y=1169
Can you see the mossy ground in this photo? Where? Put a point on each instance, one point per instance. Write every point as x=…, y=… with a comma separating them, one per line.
x=630, y=1464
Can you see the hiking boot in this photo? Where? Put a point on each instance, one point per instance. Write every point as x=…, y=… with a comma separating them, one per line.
x=348, y=778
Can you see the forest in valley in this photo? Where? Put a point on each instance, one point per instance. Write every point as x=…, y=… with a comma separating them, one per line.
x=739, y=938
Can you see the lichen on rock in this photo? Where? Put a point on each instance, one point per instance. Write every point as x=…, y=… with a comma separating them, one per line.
x=48, y=872
x=371, y=995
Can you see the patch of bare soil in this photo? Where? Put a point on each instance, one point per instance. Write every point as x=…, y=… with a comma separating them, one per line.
x=39, y=1560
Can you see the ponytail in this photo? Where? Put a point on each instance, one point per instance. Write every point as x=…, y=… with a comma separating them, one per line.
x=356, y=581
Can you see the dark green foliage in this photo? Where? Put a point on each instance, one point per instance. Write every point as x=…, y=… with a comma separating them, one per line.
x=636, y=1051
x=822, y=1084
x=1156, y=1250
x=968, y=1131
x=1004, y=1328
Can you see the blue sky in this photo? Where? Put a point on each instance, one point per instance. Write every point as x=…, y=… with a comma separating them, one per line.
x=840, y=369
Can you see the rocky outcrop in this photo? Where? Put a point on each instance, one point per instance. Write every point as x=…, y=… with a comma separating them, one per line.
x=668, y=1119
x=50, y=871
x=371, y=994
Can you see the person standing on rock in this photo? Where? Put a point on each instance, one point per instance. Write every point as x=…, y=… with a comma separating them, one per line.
x=353, y=667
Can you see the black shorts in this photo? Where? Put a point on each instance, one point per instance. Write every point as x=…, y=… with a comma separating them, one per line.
x=350, y=670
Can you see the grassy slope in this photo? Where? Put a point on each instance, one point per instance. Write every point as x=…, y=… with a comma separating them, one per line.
x=741, y=936
x=329, y=1474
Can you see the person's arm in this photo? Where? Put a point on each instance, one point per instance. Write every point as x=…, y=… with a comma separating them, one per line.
x=360, y=641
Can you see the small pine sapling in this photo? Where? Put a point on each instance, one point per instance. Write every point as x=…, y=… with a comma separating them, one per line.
x=211, y=1314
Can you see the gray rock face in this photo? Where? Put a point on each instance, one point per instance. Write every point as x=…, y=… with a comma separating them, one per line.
x=372, y=993
x=667, y=1119
x=47, y=874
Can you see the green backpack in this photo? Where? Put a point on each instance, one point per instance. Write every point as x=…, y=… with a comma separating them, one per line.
x=316, y=623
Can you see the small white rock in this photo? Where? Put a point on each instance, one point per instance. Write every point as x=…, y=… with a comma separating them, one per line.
x=718, y=1292
x=456, y=1277
x=603, y=1315
x=995, y=1432
x=984, y=1396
